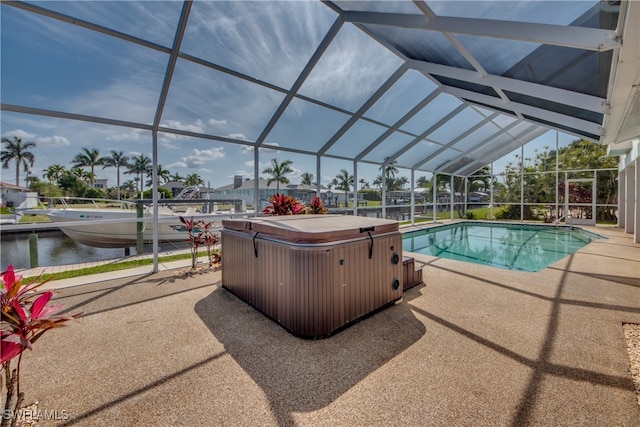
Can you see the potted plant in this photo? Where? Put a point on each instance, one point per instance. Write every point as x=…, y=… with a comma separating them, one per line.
x=25, y=318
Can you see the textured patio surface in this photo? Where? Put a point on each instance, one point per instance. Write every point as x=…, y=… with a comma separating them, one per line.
x=472, y=346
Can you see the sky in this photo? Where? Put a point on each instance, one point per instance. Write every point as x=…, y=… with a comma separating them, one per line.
x=53, y=65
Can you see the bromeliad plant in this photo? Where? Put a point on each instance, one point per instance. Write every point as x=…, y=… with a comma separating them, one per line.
x=282, y=204
x=25, y=318
x=316, y=207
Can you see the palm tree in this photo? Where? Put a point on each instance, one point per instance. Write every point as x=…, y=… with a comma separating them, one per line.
x=129, y=187
x=363, y=184
x=88, y=157
x=344, y=182
x=19, y=151
x=389, y=171
x=53, y=174
x=117, y=159
x=306, y=178
x=163, y=176
x=193, y=179
x=278, y=171
x=176, y=177
x=81, y=174
x=139, y=166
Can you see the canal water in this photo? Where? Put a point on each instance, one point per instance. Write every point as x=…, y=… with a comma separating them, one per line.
x=55, y=248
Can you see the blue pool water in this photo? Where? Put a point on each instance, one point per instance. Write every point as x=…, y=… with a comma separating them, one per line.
x=510, y=246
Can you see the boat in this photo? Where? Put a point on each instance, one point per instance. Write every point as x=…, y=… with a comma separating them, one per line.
x=107, y=223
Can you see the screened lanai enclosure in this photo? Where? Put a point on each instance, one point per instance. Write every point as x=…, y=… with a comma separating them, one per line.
x=444, y=87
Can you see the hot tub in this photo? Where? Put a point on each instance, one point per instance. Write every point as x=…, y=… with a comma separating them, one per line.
x=313, y=274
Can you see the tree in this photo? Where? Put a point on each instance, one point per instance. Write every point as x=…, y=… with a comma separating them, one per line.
x=389, y=171
x=117, y=159
x=18, y=151
x=53, y=174
x=139, y=166
x=193, y=179
x=344, y=182
x=88, y=158
x=71, y=183
x=306, y=178
x=363, y=184
x=129, y=187
x=163, y=176
x=278, y=171
x=176, y=177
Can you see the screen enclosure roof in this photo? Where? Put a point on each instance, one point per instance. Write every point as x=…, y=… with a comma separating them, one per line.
x=438, y=86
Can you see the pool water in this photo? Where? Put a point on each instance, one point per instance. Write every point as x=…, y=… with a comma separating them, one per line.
x=510, y=246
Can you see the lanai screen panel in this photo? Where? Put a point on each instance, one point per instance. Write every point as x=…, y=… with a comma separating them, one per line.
x=365, y=80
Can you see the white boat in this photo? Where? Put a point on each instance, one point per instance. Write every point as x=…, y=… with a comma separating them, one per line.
x=106, y=223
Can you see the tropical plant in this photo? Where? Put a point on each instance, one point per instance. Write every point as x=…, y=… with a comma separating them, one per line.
x=53, y=173
x=306, y=178
x=278, y=171
x=117, y=159
x=282, y=204
x=193, y=179
x=344, y=182
x=196, y=237
x=139, y=166
x=316, y=207
x=25, y=318
x=18, y=151
x=210, y=241
x=88, y=157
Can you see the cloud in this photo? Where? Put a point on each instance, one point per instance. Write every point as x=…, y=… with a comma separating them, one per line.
x=239, y=136
x=217, y=122
x=197, y=158
x=19, y=133
x=54, y=141
x=248, y=149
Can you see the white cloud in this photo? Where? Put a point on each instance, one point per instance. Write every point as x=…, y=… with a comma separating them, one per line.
x=19, y=133
x=198, y=158
x=54, y=141
x=217, y=122
x=240, y=136
x=248, y=149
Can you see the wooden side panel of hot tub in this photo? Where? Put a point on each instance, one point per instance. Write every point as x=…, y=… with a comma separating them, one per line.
x=313, y=290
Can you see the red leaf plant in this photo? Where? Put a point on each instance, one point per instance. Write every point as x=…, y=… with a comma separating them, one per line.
x=25, y=318
x=210, y=240
x=201, y=233
x=196, y=237
x=316, y=207
x=282, y=204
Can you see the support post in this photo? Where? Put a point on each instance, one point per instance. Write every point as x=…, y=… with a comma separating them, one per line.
x=139, y=229
x=33, y=250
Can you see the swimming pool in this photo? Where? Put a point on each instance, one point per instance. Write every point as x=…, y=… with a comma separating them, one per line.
x=510, y=246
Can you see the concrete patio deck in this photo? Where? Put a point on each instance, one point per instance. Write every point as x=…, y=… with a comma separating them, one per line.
x=474, y=346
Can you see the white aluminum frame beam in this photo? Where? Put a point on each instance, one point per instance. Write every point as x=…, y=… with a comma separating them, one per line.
x=549, y=34
x=324, y=44
x=561, y=96
x=454, y=141
x=365, y=107
x=546, y=115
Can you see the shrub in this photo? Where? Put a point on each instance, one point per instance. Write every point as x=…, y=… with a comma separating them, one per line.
x=25, y=318
x=281, y=204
